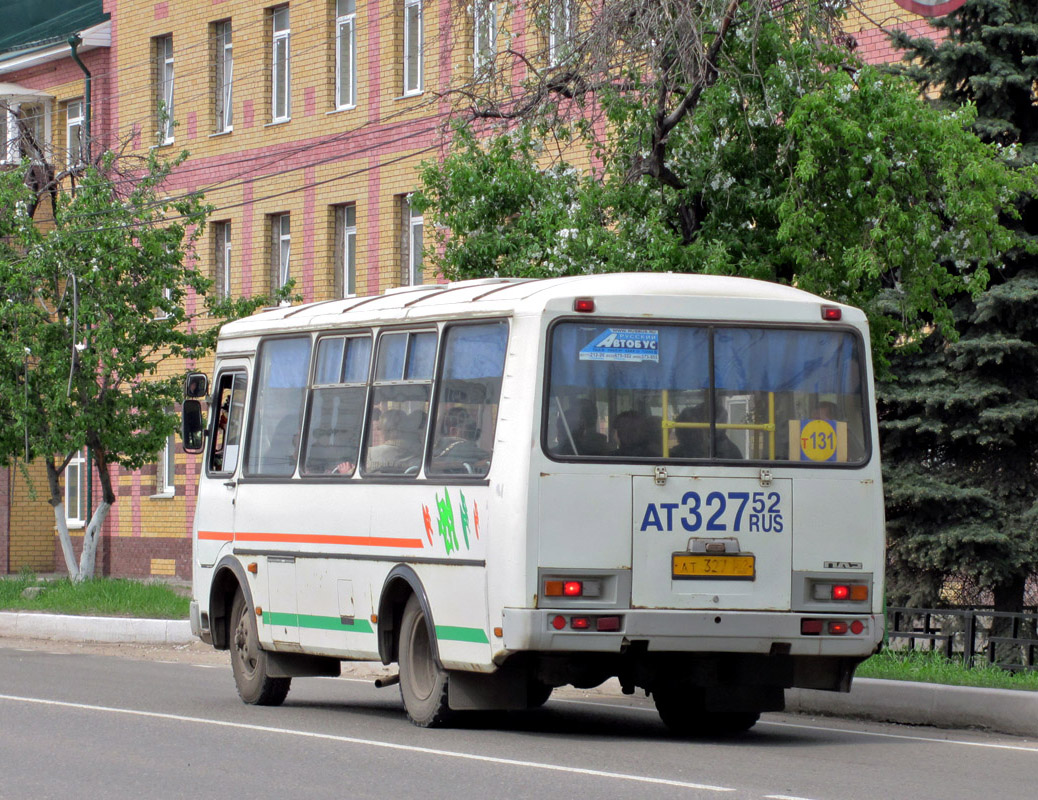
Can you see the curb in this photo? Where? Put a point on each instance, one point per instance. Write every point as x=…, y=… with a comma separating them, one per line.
x=94, y=629
x=909, y=703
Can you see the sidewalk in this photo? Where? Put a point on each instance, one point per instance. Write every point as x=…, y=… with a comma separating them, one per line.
x=999, y=710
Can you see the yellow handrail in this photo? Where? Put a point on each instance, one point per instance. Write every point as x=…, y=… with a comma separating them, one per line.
x=666, y=424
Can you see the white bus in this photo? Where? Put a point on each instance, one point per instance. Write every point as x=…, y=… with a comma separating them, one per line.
x=504, y=486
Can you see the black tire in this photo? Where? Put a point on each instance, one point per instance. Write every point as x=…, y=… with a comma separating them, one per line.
x=537, y=693
x=423, y=682
x=682, y=711
x=249, y=660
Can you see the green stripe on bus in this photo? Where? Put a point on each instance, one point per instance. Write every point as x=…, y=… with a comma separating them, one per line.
x=457, y=634
x=320, y=623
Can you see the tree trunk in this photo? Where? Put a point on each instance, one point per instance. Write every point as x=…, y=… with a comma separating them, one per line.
x=93, y=530
x=1009, y=598
x=57, y=501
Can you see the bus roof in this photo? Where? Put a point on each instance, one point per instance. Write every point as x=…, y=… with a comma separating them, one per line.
x=509, y=296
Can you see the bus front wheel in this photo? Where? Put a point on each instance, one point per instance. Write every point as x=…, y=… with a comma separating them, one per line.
x=249, y=660
x=423, y=682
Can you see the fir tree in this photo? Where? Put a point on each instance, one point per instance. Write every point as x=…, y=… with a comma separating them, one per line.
x=960, y=424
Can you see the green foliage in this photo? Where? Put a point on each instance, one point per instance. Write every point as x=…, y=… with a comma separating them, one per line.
x=960, y=426
x=93, y=307
x=799, y=165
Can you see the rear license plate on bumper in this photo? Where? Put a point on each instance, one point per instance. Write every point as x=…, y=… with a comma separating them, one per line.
x=686, y=566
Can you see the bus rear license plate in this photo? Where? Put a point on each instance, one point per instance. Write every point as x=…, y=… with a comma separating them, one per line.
x=708, y=567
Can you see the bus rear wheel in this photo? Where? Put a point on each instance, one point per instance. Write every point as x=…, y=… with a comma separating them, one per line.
x=682, y=711
x=249, y=660
x=423, y=682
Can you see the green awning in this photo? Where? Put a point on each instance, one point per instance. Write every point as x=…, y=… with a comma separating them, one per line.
x=28, y=24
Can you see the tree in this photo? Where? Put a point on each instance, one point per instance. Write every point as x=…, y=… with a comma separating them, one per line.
x=93, y=308
x=794, y=162
x=960, y=425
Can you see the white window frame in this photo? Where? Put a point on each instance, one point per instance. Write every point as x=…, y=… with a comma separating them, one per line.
x=345, y=53
x=415, y=225
x=223, y=234
x=78, y=466
x=484, y=36
x=166, y=469
x=7, y=123
x=74, y=129
x=224, y=77
x=164, y=53
x=413, y=83
x=282, y=225
x=561, y=14
x=282, y=38
x=349, y=250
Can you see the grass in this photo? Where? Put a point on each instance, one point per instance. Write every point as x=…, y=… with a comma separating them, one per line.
x=928, y=667
x=109, y=597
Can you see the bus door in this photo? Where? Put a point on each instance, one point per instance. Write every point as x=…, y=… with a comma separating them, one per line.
x=218, y=488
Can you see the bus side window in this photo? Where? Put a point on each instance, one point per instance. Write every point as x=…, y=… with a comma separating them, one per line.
x=337, y=406
x=229, y=408
x=467, y=399
x=281, y=381
x=400, y=397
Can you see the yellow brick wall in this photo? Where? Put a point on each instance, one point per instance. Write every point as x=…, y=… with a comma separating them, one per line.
x=32, y=520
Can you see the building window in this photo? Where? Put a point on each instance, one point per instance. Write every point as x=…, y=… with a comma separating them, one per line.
x=224, y=64
x=561, y=16
x=345, y=53
x=413, y=44
x=411, y=244
x=222, y=259
x=345, y=251
x=75, y=490
x=24, y=130
x=74, y=132
x=164, y=98
x=281, y=245
x=281, y=106
x=166, y=470
x=484, y=38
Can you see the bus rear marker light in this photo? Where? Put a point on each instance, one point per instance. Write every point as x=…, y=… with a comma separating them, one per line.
x=837, y=628
x=810, y=627
x=832, y=313
x=607, y=624
x=584, y=305
x=580, y=623
x=558, y=622
x=857, y=627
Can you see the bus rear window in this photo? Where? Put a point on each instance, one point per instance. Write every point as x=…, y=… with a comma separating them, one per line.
x=682, y=392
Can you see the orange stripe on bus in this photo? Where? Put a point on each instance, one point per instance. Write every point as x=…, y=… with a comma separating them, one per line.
x=314, y=538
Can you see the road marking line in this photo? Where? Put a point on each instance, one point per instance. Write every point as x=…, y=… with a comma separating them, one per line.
x=784, y=797
x=934, y=739
x=372, y=743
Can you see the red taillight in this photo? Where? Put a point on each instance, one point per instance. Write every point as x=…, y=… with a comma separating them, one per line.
x=832, y=313
x=857, y=627
x=841, y=592
x=810, y=627
x=573, y=588
x=580, y=623
x=584, y=304
x=607, y=623
x=558, y=622
x=837, y=628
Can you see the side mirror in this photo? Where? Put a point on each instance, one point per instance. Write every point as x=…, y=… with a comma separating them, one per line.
x=196, y=385
x=192, y=426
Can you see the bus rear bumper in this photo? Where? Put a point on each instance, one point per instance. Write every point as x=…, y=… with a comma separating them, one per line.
x=565, y=630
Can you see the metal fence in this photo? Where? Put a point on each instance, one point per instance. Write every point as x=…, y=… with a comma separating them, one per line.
x=1007, y=640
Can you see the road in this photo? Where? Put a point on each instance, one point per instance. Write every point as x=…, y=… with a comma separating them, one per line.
x=81, y=722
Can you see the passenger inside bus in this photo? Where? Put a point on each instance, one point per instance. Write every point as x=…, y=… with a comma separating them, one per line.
x=401, y=447
x=577, y=431
x=637, y=435
x=695, y=442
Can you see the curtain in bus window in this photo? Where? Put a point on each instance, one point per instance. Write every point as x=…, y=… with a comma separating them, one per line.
x=467, y=401
x=281, y=382
x=629, y=356
x=747, y=359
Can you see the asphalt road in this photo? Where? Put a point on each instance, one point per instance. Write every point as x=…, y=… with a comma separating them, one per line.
x=93, y=724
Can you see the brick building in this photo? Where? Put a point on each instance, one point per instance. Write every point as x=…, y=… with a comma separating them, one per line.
x=306, y=122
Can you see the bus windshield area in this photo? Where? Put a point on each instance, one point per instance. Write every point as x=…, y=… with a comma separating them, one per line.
x=686, y=392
